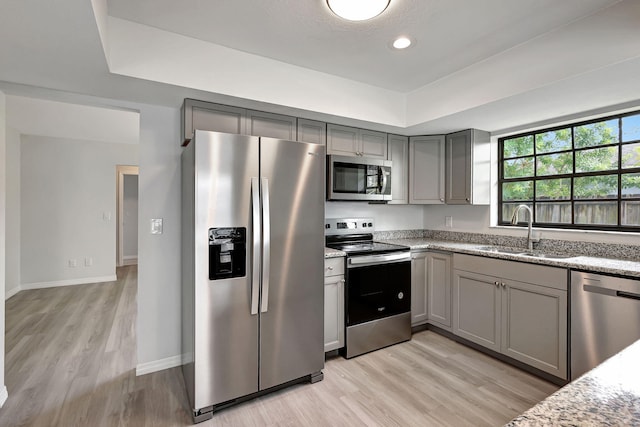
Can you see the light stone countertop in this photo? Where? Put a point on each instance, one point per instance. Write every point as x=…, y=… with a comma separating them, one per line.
x=586, y=263
x=608, y=395
x=333, y=253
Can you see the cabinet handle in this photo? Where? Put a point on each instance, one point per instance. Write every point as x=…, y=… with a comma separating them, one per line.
x=329, y=268
x=496, y=283
x=441, y=199
x=502, y=284
x=467, y=199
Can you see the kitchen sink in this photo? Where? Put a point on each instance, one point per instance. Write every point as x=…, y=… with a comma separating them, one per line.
x=522, y=252
x=544, y=255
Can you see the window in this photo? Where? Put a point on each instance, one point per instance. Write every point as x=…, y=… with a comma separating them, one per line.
x=585, y=175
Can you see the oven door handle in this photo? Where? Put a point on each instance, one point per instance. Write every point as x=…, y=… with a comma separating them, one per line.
x=365, y=260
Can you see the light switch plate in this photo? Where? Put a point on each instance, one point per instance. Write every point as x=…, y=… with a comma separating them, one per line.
x=156, y=225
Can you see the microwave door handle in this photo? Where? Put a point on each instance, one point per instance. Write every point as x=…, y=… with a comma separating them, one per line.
x=383, y=188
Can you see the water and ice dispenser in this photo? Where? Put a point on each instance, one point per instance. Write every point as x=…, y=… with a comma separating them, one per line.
x=227, y=252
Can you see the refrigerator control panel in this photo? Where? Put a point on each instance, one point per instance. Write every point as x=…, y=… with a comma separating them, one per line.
x=227, y=252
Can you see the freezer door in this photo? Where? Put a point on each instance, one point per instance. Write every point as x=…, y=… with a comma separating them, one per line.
x=226, y=331
x=291, y=318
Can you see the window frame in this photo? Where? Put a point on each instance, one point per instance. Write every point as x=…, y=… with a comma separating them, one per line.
x=619, y=171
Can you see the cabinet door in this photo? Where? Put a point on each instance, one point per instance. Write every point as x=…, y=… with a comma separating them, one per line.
x=534, y=326
x=399, y=155
x=271, y=125
x=333, y=312
x=458, y=167
x=426, y=170
x=418, y=288
x=209, y=116
x=476, y=308
x=342, y=140
x=373, y=144
x=439, y=288
x=312, y=131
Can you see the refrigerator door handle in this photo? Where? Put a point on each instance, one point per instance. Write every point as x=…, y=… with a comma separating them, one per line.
x=255, y=265
x=266, y=245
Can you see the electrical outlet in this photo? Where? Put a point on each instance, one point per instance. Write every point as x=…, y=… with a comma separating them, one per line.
x=156, y=225
x=448, y=221
x=88, y=262
x=73, y=263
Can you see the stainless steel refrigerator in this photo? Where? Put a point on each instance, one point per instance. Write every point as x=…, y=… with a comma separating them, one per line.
x=252, y=270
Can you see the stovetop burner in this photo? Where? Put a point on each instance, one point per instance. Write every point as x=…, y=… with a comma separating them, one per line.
x=360, y=247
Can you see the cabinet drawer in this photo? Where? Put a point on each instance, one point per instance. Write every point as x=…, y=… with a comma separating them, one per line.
x=552, y=277
x=333, y=266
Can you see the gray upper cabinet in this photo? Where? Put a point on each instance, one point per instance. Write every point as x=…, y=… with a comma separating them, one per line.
x=209, y=116
x=312, y=131
x=399, y=155
x=350, y=141
x=271, y=125
x=468, y=168
x=426, y=169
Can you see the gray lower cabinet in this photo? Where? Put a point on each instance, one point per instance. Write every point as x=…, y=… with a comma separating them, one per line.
x=517, y=309
x=271, y=125
x=426, y=170
x=399, y=155
x=439, y=289
x=350, y=141
x=419, y=301
x=333, y=304
x=431, y=289
x=312, y=131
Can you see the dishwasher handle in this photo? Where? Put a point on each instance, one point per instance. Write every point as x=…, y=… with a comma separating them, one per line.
x=611, y=292
x=629, y=295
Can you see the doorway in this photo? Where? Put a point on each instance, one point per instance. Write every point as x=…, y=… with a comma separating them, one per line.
x=127, y=215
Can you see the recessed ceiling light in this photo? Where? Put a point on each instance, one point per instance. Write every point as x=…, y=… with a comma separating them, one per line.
x=402, y=43
x=357, y=10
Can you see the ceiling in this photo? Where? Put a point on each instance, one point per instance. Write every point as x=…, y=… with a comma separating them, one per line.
x=490, y=64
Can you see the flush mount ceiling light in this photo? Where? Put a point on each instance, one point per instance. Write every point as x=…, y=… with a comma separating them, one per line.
x=401, y=43
x=357, y=10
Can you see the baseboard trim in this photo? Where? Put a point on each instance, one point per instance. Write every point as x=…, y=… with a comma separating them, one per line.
x=12, y=292
x=158, y=365
x=69, y=282
x=4, y=395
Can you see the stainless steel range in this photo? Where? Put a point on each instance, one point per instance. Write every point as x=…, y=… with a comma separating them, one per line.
x=378, y=286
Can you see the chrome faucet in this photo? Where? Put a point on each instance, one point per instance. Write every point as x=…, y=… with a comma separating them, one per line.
x=514, y=221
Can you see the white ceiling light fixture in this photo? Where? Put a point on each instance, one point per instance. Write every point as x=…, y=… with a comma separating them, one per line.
x=358, y=10
x=401, y=43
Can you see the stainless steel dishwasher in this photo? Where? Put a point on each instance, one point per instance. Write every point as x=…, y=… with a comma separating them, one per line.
x=605, y=318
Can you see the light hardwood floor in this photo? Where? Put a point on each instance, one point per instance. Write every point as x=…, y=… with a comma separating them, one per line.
x=70, y=361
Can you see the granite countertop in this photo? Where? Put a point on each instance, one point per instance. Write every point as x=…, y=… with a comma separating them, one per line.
x=579, y=262
x=608, y=395
x=333, y=253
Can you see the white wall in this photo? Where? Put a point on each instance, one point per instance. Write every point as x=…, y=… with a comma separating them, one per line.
x=12, y=274
x=130, y=214
x=159, y=312
x=68, y=209
x=3, y=162
x=388, y=217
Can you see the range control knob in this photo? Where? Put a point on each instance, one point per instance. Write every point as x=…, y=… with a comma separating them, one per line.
x=364, y=224
x=400, y=295
x=370, y=225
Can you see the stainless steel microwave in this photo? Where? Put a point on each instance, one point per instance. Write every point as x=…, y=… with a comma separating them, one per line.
x=358, y=178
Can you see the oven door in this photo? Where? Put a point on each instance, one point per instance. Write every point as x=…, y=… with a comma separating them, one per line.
x=350, y=178
x=378, y=286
